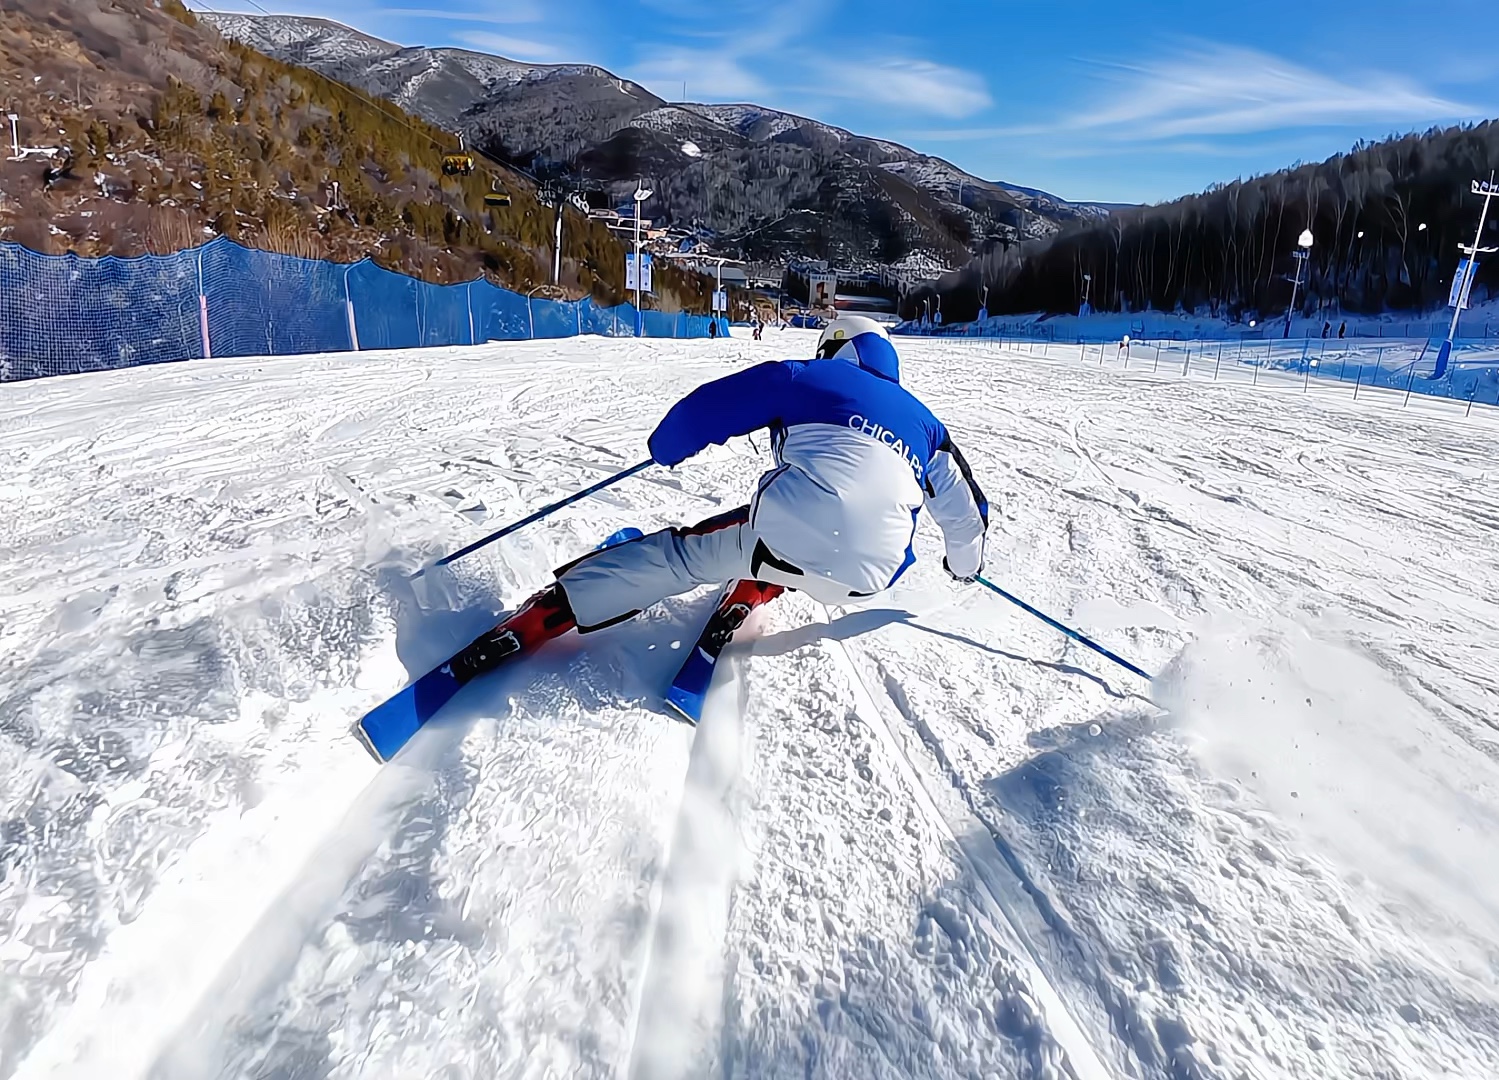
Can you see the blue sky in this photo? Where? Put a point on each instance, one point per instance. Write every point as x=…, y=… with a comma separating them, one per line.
x=1127, y=102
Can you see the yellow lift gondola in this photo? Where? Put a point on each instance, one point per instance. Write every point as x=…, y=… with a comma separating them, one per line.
x=496, y=197
x=458, y=164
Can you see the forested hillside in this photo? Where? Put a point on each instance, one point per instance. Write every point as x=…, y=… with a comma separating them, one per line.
x=1386, y=218
x=154, y=133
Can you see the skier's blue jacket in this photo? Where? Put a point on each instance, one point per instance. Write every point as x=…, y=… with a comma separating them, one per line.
x=857, y=456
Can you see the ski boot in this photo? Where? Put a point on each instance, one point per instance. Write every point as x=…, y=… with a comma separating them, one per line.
x=732, y=611
x=543, y=617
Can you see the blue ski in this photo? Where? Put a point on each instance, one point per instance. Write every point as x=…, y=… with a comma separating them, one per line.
x=391, y=724
x=689, y=690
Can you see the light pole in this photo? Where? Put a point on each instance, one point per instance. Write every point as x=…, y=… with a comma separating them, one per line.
x=1465, y=272
x=717, y=287
x=641, y=194
x=1087, y=289
x=1304, y=244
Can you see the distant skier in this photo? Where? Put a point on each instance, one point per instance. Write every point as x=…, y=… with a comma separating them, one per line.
x=857, y=456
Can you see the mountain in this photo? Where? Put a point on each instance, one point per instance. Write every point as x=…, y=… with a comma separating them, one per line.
x=152, y=132
x=766, y=184
x=1387, y=222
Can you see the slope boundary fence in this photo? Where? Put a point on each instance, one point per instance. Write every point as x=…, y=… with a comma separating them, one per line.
x=65, y=314
x=1100, y=327
x=1409, y=369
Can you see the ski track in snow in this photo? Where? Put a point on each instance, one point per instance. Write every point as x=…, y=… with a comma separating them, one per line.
x=926, y=838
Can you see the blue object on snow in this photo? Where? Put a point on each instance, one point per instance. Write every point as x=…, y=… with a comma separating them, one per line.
x=624, y=536
x=1444, y=356
x=389, y=726
x=689, y=690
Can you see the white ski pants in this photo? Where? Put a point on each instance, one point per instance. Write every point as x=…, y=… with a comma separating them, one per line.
x=607, y=586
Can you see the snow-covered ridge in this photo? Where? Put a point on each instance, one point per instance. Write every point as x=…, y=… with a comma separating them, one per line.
x=497, y=71
x=930, y=173
x=936, y=174
x=321, y=40
x=683, y=120
x=751, y=121
x=326, y=41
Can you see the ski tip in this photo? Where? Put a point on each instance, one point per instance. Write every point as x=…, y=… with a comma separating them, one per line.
x=364, y=740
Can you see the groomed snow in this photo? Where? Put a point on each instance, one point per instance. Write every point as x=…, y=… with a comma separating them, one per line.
x=929, y=838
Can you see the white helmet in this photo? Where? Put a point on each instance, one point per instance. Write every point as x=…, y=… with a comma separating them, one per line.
x=862, y=340
x=842, y=330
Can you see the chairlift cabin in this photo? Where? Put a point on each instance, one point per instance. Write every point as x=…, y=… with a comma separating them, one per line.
x=459, y=163
x=497, y=197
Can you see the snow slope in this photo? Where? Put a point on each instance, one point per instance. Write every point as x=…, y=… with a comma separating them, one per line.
x=927, y=838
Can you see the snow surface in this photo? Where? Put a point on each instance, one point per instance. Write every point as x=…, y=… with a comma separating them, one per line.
x=928, y=838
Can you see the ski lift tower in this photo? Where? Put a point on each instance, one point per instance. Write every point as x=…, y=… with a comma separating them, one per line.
x=1467, y=269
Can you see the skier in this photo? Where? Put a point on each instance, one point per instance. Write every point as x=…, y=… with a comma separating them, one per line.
x=857, y=456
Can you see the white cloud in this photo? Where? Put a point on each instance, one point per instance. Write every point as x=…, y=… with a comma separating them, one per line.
x=512, y=48
x=770, y=67
x=918, y=86
x=1209, y=90
x=711, y=74
x=512, y=11
x=690, y=9
x=1220, y=90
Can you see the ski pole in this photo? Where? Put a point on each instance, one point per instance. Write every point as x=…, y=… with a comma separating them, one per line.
x=543, y=512
x=1081, y=639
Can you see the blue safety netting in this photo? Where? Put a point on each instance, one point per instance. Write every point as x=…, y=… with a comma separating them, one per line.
x=62, y=314
x=266, y=305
